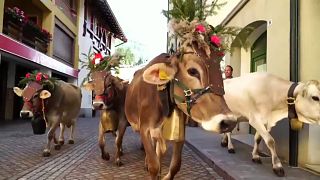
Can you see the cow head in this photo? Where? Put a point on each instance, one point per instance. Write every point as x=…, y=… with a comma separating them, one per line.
x=307, y=102
x=104, y=86
x=197, y=87
x=33, y=95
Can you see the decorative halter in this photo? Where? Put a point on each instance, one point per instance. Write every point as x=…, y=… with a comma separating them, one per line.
x=27, y=95
x=192, y=95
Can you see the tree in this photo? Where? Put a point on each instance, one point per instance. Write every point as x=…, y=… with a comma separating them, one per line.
x=129, y=58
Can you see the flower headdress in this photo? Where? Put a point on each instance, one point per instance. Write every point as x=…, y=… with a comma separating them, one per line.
x=187, y=23
x=39, y=77
x=99, y=62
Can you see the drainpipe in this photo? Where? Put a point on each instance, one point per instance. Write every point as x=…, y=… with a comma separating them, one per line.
x=167, y=30
x=294, y=74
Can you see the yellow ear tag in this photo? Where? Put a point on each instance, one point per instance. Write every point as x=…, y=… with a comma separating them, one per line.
x=163, y=75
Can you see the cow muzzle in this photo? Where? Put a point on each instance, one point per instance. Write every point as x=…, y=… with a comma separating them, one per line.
x=26, y=114
x=220, y=123
x=227, y=125
x=98, y=105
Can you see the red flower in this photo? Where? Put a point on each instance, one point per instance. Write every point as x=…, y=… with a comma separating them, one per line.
x=39, y=76
x=97, y=58
x=28, y=75
x=215, y=40
x=200, y=28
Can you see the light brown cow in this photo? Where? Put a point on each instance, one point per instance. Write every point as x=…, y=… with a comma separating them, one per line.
x=194, y=85
x=61, y=106
x=110, y=94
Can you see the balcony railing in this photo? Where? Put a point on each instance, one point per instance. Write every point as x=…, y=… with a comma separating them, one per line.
x=26, y=32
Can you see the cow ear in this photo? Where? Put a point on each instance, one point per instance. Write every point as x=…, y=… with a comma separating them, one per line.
x=117, y=82
x=159, y=73
x=88, y=86
x=18, y=91
x=45, y=94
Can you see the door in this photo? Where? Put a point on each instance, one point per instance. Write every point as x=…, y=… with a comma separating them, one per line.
x=3, y=88
x=259, y=59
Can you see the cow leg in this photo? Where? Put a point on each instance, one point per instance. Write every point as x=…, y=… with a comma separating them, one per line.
x=151, y=156
x=71, y=136
x=175, y=163
x=56, y=142
x=50, y=136
x=61, y=135
x=230, y=145
x=255, y=152
x=121, y=130
x=268, y=139
x=224, y=140
x=101, y=139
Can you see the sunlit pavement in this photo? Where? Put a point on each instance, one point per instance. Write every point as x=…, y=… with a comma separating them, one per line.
x=21, y=156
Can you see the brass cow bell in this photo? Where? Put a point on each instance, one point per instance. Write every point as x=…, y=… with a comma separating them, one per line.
x=173, y=127
x=296, y=124
x=109, y=121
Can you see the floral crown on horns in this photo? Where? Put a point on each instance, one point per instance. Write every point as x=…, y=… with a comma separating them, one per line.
x=39, y=77
x=100, y=62
x=187, y=22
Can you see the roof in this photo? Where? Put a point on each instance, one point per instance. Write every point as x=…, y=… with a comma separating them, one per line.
x=111, y=19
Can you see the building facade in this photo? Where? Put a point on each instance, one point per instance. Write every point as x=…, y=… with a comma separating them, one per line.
x=98, y=31
x=50, y=36
x=283, y=41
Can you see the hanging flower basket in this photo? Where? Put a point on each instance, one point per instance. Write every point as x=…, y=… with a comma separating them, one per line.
x=14, y=15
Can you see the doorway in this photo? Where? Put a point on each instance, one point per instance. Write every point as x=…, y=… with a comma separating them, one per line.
x=21, y=71
x=3, y=88
x=259, y=59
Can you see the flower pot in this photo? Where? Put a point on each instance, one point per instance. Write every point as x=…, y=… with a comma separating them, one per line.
x=38, y=125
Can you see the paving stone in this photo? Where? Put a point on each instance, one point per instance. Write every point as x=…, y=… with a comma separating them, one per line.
x=21, y=156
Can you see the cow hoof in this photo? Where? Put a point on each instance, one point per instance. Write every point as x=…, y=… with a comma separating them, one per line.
x=57, y=146
x=231, y=151
x=257, y=160
x=279, y=171
x=224, y=144
x=105, y=156
x=46, y=154
x=71, y=141
x=118, y=163
x=61, y=143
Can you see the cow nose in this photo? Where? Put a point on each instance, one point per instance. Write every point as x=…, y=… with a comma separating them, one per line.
x=24, y=114
x=98, y=105
x=227, y=125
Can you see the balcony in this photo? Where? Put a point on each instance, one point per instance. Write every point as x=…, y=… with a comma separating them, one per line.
x=17, y=26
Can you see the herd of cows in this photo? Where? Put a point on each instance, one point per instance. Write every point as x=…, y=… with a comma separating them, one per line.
x=188, y=82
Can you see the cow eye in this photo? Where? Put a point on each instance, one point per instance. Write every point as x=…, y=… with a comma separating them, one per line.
x=315, y=98
x=194, y=72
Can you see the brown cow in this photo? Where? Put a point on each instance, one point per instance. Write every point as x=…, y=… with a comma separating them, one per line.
x=110, y=94
x=61, y=106
x=195, y=87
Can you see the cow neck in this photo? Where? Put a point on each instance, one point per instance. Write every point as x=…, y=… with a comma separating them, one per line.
x=292, y=114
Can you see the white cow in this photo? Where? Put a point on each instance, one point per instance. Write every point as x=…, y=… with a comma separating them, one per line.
x=262, y=99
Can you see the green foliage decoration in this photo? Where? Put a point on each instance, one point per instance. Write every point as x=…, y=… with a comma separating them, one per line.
x=187, y=23
x=42, y=78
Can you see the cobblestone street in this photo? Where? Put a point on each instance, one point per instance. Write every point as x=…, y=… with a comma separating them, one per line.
x=21, y=156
